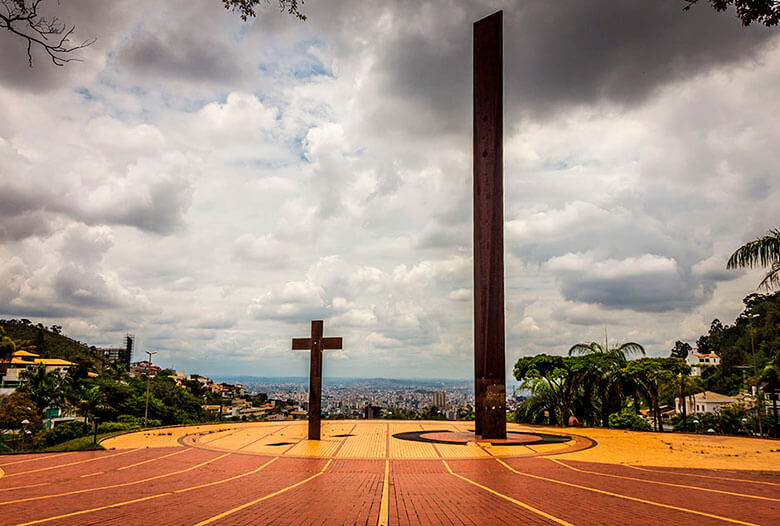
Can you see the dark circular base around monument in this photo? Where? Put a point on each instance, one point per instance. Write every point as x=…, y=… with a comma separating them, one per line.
x=444, y=436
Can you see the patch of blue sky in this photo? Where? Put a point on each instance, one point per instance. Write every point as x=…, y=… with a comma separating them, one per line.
x=310, y=69
x=265, y=164
x=84, y=92
x=556, y=165
x=303, y=63
x=296, y=145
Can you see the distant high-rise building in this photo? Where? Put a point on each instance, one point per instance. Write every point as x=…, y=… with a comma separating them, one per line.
x=119, y=355
x=440, y=400
x=371, y=412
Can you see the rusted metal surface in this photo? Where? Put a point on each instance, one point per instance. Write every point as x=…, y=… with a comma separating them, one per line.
x=489, y=353
x=316, y=343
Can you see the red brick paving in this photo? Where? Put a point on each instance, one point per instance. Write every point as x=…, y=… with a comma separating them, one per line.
x=38, y=509
x=730, y=506
x=349, y=491
x=759, y=476
x=734, y=484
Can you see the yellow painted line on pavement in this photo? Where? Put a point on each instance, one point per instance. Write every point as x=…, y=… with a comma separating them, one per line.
x=98, y=473
x=507, y=497
x=263, y=436
x=620, y=496
x=122, y=485
x=680, y=473
x=234, y=477
x=154, y=459
x=73, y=463
x=698, y=488
x=261, y=499
x=26, y=486
x=166, y=493
x=73, y=514
x=384, y=510
x=44, y=457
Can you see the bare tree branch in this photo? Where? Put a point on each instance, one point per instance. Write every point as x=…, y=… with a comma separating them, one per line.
x=22, y=18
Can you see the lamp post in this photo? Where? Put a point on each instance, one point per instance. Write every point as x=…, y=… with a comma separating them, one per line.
x=750, y=318
x=149, y=370
x=23, y=433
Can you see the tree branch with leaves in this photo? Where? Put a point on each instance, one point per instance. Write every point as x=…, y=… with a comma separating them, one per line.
x=765, y=12
x=246, y=8
x=761, y=252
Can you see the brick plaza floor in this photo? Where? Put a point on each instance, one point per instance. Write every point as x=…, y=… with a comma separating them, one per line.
x=267, y=473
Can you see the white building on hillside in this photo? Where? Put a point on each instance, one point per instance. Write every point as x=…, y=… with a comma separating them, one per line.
x=23, y=360
x=697, y=361
x=705, y=402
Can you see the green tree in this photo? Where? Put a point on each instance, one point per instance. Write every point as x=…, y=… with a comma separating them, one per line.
x=89, y=401
x=610, y=385
x=681, y=349
x=45, y=389
x=540, y=404
x=564, y=375
x=761, y=252
x=16, y=407
x=652, y=375
x=682, y=387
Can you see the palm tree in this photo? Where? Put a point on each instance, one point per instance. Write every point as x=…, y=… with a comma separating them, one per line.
x=542, y=400
x=682, y=387
x=610, y=384
x=761, y=252
x=90, y=399
x=46, y=389
x=622, y=351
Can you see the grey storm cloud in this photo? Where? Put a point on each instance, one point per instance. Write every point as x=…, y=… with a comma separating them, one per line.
x=559, y=54
x=184, y=57
x=647, y=283
x=160, y=210
x=640, y=293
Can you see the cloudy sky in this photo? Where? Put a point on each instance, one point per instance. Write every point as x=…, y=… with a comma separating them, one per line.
x=212, y=185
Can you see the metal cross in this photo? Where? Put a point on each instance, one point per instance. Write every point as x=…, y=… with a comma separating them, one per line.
x=316, y=344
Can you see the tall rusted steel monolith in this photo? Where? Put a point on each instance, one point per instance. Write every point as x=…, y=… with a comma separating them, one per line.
x=489, y=354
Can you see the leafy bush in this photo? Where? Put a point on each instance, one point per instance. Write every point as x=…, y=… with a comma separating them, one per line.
x=64, y=432
x=627, y=419
x=114, y=427
x=684, y=427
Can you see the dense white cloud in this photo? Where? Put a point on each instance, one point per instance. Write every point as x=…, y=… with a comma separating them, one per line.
x=212, y=185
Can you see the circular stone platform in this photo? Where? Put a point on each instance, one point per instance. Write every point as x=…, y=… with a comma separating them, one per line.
x=464, y=437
